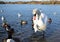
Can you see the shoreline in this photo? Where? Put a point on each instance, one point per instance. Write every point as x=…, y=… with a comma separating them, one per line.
x=31, y=2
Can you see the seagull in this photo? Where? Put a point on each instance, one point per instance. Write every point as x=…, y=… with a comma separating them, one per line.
x=19, y=15
x=2, y=18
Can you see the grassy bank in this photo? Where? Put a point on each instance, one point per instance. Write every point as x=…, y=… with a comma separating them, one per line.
x=31, y=2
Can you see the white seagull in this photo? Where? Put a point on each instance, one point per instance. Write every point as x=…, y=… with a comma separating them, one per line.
x=19, y=15
x=2, y=18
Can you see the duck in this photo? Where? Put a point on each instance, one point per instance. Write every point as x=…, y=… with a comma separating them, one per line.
x=49, y=20
x=23, y=22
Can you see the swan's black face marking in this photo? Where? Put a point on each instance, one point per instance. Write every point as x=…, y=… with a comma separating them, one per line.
x=34, y=15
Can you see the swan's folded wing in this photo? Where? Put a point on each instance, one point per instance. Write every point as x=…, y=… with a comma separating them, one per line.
x=42, y=28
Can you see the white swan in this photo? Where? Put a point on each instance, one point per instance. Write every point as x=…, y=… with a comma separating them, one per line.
x=40, y=22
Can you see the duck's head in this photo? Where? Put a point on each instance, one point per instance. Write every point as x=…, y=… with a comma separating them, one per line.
x=49, y=20
x=5, y=25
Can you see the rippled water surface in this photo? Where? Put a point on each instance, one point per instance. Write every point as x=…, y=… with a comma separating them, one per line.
x=10, y=11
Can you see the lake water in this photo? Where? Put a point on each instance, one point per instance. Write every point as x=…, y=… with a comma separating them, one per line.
x=10, y=11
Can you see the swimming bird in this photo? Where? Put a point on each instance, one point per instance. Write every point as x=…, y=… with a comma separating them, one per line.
x=19, y=15
x=49, y=20
x=23, y=22
x=39, y=21
x=4, y=22
x=9, y=30
x=2, y=18
x=10, y=39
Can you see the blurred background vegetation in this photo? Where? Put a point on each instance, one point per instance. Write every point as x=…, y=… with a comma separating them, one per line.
x=32, y=2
